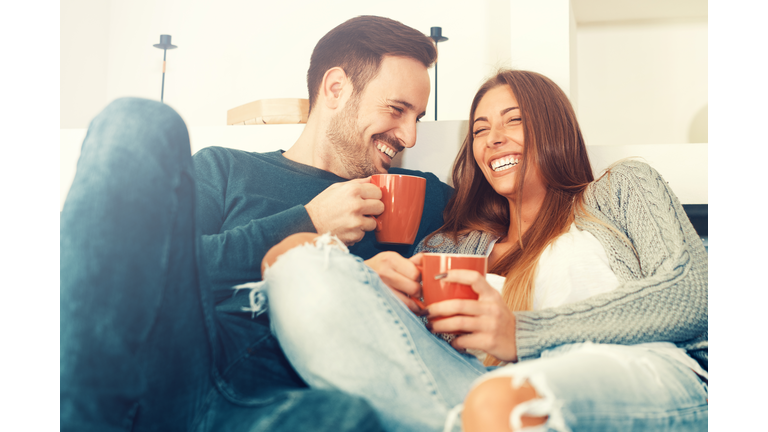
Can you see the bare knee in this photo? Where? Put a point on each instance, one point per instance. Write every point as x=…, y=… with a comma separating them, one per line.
x=288, y=243
x=489, y=405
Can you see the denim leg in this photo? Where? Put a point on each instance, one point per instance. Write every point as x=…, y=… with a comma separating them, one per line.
x=141, y=346
x=293, y=410
x=135, y=350
x=601, y=387
x=258, y=390
x=342, y=328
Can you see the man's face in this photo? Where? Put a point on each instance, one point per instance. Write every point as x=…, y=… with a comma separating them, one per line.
x=380, y=122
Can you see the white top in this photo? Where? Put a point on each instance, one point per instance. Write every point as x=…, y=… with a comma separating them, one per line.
x=575, y=267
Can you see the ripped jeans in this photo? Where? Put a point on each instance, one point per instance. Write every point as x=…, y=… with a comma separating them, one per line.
x=342, y=328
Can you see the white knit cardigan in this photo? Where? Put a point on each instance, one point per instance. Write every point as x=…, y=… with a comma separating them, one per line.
x=663, y=294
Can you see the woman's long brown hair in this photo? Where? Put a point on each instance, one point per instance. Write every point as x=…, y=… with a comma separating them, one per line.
x=554, y=143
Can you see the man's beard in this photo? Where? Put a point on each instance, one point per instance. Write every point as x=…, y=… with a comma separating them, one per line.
x=347, y=141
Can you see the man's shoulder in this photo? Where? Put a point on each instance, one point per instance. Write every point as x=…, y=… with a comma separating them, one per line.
x=432, y=179
x=226, y=159
x=216, y=152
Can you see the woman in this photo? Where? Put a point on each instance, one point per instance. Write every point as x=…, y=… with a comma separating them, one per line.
x=604, y=291
x=526, y=197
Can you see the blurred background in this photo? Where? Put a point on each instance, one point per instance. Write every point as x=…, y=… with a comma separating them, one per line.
x=635, y=71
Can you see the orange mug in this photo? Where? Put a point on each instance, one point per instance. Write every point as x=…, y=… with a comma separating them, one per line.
x=435, y=265
x=403, y=198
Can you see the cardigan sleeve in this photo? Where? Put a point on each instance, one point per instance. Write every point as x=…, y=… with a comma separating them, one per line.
x=663, y=296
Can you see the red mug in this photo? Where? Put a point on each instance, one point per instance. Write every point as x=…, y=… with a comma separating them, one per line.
x=433, y=265
x=403, y=198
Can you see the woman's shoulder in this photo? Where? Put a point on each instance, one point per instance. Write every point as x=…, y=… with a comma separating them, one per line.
x=472, y=243
x=629, y=167
x=629, y=173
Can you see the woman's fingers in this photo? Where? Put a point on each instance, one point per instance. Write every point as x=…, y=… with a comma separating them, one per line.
x=455, y=323
x=466, y=277
x=474, y=279
x=487, y=325
x=449, y=308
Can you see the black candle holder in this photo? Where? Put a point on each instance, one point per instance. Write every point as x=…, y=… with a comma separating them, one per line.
x=165, y=44
x=436, y=33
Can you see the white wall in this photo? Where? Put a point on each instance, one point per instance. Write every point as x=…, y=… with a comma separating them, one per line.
x=638, y=82
x=84, y=48
x=643, y=83
x=234, y=52
x=543, y=38
x=684, y=166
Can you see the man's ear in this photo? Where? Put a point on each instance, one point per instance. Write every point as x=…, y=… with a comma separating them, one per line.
x=335, y=87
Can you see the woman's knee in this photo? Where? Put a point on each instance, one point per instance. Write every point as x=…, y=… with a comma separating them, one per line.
x=489, y=405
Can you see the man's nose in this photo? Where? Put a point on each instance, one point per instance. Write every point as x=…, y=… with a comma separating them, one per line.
x=408, y=135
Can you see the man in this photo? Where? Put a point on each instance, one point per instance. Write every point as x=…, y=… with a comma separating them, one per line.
x=152, y=242
x=368, y=86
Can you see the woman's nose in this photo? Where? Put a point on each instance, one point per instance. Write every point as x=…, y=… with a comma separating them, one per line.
x=496, y=137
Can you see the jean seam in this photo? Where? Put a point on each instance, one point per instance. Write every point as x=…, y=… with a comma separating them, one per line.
x=130, y=418
x=231, y=397
x=223, y=385
x=201, y=417
x=372, y=278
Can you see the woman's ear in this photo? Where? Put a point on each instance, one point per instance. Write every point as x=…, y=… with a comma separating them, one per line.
x=334, y=86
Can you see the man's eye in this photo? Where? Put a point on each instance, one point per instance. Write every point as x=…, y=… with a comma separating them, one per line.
x=396, y=109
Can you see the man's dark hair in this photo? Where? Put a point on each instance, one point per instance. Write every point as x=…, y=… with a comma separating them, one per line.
x=358, y=45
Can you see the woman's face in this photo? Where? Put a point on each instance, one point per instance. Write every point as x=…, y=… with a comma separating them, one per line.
x=498, y=144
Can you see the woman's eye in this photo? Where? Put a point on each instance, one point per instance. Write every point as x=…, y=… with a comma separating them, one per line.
x=478, y=132
x=514, y=120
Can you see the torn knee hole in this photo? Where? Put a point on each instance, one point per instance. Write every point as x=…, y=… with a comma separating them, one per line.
x=502, y=403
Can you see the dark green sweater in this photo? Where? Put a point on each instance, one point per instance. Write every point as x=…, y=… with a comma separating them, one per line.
x=248, y=202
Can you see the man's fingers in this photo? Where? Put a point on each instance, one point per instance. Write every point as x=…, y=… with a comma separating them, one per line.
x=407, y=268
x=369, y=191
x=402, y=284
x=372, y=207
x=416, y=259
x=369, y=223
x=409, y=303
x=360, y=180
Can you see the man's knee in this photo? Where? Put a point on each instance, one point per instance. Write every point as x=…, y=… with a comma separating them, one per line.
x=134, y=109
x=140, y=125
